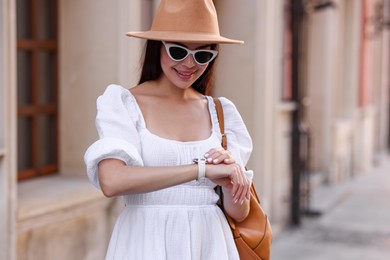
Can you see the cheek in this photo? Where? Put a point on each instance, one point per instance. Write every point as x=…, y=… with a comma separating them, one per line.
x=165, y=60
x=203, y=68
x=166, y=64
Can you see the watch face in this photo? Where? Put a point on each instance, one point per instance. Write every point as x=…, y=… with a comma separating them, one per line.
x=196, y=160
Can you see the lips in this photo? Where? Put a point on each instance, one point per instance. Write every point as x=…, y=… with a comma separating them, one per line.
x=185, y=75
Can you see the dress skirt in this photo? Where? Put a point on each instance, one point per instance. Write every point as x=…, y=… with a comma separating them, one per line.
x=181, y=222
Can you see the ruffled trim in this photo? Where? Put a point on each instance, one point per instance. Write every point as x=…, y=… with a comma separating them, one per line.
x=109, y=148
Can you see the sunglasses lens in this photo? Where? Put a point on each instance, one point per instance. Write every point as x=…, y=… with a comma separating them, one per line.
x=177, y=53
x=203, y=56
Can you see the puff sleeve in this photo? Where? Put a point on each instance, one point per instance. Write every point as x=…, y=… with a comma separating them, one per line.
x=118, y=136
x=239, y=141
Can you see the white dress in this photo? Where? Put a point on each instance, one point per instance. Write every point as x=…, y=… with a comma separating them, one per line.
x=181, y=222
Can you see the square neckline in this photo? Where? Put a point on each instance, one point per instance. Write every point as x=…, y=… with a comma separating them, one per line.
x=143, y=122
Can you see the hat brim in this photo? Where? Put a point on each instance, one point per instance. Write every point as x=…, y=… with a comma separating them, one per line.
x=182, y=37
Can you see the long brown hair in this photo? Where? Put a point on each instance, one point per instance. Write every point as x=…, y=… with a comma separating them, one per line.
x=151, y=68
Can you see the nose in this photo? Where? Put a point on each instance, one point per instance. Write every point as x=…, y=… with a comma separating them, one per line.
x=189, y=61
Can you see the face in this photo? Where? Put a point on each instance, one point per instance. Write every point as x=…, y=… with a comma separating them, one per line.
x=183, y=66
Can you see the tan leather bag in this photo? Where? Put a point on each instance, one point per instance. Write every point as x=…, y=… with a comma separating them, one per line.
x=253, y=236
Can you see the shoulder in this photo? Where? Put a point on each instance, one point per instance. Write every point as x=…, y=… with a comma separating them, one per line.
x=229, y=108
x=238, y=138
x=226, y=102
x=117, y=101
x=232, y=116
x=114, y=92
x=115, y=96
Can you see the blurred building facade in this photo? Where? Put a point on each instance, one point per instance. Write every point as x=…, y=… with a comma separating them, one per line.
x=311, y=82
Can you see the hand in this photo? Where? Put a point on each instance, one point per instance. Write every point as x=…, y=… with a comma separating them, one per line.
x=223, y=182
x=219, y=155
x=231, y=177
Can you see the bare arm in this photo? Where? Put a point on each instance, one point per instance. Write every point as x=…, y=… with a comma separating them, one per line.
x=116, y=178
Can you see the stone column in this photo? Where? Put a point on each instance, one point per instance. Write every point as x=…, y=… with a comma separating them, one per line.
x=8, y=130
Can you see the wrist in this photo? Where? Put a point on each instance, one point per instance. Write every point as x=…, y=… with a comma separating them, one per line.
x=201, y=162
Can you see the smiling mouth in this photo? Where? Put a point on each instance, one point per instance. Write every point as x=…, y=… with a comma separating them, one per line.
x=184, y=75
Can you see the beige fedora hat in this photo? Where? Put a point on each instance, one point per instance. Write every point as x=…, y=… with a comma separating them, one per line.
x=185, y=21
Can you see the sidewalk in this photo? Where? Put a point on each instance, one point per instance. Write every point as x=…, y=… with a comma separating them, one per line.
x=356, y=227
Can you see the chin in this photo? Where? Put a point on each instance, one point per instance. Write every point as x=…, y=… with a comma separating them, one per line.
x=183, y=84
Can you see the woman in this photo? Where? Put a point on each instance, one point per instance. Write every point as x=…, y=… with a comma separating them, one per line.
x=160, y=145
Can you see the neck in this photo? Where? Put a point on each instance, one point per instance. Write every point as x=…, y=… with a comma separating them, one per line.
x=165, y=88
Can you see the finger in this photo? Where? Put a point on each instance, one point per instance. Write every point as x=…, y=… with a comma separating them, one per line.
x=216, y=157
x=246, y=186
x=235, y=186
x=248, y=195
x=229, y=160
x=220, y=156
x=212, y=151
x=223, y=158
x=245, y=190
x=211, y=155
x=240, y=184
x=243, y=193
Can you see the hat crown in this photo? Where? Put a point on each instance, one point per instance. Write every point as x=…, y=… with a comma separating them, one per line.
x=187, y=16
x=185, y=21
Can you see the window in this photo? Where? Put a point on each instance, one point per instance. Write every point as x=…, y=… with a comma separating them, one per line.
x=37, y=75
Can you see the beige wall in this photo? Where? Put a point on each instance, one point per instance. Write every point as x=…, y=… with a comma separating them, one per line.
x=347, y=135
x=94, y=53
x=352, y=34
x=384, y=124
x=365, y=132
x=250, y=75
x=333, y=84
x=7, y=130
x=382, y=87
x=321, y=59
x=64, y=216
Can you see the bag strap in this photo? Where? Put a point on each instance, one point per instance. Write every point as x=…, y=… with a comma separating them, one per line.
x=221, y=121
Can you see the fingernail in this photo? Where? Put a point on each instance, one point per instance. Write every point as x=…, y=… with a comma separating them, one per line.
x=226, y=160
x=242, y=202
x=206, y=155
x=210, y=159
x=235, y=201
x=215, y=161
